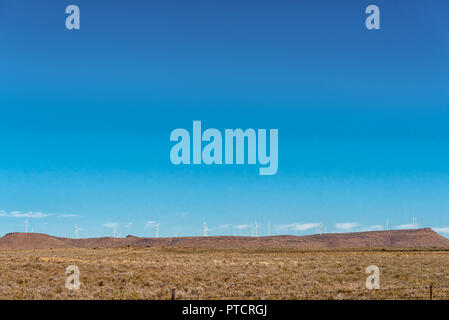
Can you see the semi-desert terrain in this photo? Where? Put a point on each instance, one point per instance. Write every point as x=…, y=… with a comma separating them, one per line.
x=250, y=272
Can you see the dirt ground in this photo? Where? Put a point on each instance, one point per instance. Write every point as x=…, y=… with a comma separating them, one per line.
x=157, y=273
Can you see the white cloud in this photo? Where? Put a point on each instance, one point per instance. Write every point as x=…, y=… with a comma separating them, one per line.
x=407, y=226
x=149, y=224
x=441, y=229
x=296, y=226
x=373, y=228
x=346, y=226
x=224, y=226
x=129, y=225
x=110, y=224
x=67, y=215
x=29, y=214
x=33, y=214
x=242, y=226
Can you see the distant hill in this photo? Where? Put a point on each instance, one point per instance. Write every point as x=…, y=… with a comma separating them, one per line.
x=420, y=238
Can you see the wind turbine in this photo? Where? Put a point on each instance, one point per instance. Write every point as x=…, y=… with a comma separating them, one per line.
x=415, y=222
x=269, y=231
x=115, y=230
x=157, y=229
x=256, y=226
x=77, y=231
x=26, y=225
x=386, y=222
x=205, y=229
x=319, y=229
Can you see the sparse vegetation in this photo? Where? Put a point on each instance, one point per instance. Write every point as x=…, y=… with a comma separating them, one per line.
x=152, y=273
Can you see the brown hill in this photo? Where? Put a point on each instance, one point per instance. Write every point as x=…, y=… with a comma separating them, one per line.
x=421, y=238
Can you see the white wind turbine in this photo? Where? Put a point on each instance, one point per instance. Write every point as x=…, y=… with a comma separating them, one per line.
x=205, y=229
x=26, y=224
x=415, y=222
x=157, y=229
x=319, y=228
x=256, y=227
x=77, y=230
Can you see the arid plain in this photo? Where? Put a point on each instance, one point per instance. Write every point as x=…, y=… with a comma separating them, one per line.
x=189, y=273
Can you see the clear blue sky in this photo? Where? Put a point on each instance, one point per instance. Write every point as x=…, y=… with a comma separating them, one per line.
x=86, y=115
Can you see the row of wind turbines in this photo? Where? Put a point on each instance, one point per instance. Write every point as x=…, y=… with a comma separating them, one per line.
x=255, y=229
x=319, y=228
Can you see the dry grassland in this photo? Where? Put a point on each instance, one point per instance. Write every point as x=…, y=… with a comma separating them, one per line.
x=152, y=273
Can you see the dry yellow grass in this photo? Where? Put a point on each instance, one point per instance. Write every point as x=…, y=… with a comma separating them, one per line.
x=152, y=273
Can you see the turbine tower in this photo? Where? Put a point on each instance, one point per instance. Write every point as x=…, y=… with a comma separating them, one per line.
x=26, y=225
x=319, y=229
x=205, y=229
x=157, y=229
x=415, y=223
x=77, y=231
x=256, y=227
x=386, y=222
x=269, y=231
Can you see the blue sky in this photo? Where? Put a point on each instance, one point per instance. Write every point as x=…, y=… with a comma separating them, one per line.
x=86, y=115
